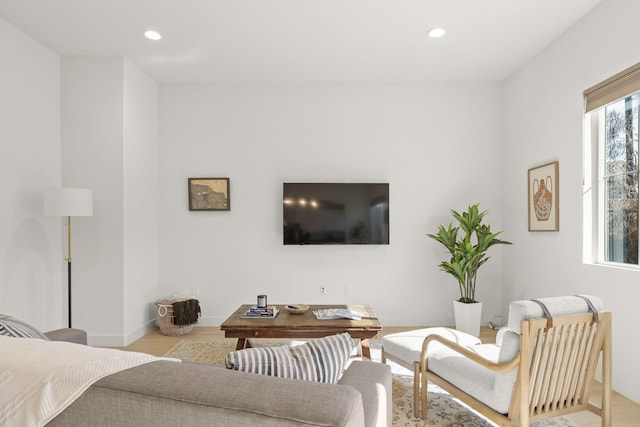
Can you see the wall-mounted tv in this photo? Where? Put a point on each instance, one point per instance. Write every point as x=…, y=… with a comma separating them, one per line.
x=335, y=213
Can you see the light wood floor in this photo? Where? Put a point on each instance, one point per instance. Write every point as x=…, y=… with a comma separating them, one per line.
x=626, y=413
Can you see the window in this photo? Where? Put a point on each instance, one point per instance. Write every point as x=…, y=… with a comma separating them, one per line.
x=620, y=177
x=611, y=175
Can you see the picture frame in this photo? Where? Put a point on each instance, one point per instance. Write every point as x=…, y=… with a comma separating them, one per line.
x=543, y=197
x=209, y=194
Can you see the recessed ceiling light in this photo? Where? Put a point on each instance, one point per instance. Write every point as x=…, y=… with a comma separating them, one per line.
x=152, y=35
x=434, y=33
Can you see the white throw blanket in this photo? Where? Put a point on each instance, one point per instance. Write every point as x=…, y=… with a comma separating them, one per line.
x=39, y=379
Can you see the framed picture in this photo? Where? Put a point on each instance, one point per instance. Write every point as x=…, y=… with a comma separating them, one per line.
x=209, y=194
x=543, y=196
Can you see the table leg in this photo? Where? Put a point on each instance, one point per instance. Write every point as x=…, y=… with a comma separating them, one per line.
x=243, y=343
x=366, y=353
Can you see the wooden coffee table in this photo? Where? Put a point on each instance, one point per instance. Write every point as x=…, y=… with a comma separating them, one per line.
x=300, y=326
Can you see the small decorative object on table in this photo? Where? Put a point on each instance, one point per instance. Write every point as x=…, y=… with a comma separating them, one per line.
x=262, y=301
x=296, y=308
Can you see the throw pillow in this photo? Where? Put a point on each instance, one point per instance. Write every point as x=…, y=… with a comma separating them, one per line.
x=274, y=361
x=12, y=327
x=321, y=360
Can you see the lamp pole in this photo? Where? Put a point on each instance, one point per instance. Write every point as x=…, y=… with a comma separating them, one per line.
x=68, y=259
x=68, y=202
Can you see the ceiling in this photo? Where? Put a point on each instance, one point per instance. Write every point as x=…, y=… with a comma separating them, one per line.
x=303, y=41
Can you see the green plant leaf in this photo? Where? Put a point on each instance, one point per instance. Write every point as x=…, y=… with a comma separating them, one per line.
x=468, y=251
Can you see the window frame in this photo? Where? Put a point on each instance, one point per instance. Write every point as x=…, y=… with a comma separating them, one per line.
x=595, y=197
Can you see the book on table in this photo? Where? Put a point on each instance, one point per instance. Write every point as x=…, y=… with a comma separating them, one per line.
x=255, y=312
x=337, y=313
x=265, y=309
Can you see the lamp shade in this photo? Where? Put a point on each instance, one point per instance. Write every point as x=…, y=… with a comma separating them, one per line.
x=68, y=202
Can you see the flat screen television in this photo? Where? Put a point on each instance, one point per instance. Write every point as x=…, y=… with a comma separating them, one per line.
x=335, y=213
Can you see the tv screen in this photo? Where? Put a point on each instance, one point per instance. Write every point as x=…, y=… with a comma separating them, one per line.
x=335, y=213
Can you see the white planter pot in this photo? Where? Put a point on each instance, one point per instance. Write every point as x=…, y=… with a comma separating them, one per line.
x=468, y=317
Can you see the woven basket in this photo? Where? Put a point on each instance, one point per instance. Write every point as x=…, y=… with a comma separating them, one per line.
x=164, y=319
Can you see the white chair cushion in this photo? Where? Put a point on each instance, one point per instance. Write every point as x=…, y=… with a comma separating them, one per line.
x=492, y=389
x=557, y=306
x=509, y=343
x=465, y=374
x=407, y=346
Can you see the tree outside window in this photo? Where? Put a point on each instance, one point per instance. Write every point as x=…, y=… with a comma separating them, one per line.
x=621, y=180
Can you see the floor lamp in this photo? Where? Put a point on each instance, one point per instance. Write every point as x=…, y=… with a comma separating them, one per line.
x=68, y=202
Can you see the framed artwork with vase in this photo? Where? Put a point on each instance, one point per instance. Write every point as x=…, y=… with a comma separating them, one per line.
x=543, y=197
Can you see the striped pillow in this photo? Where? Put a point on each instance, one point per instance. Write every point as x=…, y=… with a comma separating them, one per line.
x=320, y=360
x=12, y=327
x=274, y=361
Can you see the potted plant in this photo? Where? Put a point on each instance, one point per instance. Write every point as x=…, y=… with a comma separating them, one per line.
x=468, y=252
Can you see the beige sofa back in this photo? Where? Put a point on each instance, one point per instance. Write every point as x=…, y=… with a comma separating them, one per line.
x=186, y=394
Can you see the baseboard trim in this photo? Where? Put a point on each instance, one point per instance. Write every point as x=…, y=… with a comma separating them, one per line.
x=104, y=340
x=140, y=332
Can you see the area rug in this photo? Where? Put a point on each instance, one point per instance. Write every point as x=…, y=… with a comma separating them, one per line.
x=444, y=410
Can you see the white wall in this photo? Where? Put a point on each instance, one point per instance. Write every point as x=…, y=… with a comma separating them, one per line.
x=30, y=244
x=543, y=113
x=430, y=142
x=141, y=201
x=92, y=153
x=110, y=134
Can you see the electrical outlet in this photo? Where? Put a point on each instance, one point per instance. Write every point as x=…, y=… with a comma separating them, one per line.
x=347, y=290
x=322, y=290
x=195, y=291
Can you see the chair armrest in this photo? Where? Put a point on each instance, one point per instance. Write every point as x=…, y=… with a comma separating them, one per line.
x=77, y=336
x=497, y=367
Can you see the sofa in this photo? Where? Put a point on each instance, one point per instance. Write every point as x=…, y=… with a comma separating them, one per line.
x=167, y=393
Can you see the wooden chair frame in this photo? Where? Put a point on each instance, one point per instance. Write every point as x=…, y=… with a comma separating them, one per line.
x=556, y=367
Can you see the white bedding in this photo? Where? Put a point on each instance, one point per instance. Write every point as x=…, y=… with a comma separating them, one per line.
x=39, y=379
